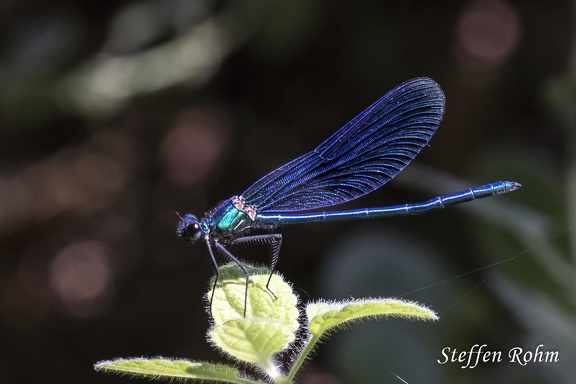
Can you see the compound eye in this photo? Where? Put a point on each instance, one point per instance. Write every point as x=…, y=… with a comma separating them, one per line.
x=194, y=231
x=189, y=229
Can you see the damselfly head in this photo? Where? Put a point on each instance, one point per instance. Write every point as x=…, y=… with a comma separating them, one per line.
x=189, y=228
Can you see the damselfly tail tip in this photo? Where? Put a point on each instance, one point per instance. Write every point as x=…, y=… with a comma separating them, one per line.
x=513, y=186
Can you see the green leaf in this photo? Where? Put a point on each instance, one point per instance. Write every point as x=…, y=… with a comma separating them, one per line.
x=323, y=316
x=252, y=340
x=229, y=301
x=161, y=368
x=270, y=323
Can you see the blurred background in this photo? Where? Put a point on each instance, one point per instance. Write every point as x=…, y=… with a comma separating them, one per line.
x=116, y=114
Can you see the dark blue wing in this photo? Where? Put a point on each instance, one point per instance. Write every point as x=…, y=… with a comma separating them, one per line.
x=360, y=157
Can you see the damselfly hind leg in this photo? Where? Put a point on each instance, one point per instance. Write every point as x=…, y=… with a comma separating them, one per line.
x=275, y=241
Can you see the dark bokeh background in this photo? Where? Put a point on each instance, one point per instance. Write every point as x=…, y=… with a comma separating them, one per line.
x=116, y=114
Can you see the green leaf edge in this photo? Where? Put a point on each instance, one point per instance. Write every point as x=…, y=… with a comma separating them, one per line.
x=324, y=315
x=165, y=368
